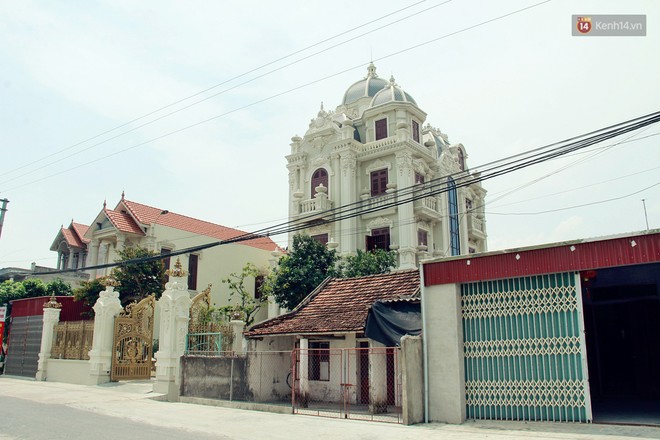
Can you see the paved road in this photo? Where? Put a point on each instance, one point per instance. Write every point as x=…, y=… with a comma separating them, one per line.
x=51, y=410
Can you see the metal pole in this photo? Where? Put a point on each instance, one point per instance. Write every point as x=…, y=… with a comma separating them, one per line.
x=231, y=380
x=643, y=203
x=2, y=213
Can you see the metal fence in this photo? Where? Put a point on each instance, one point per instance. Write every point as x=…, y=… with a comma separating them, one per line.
x=204, y=344
x=356, y=383
x=72, y=340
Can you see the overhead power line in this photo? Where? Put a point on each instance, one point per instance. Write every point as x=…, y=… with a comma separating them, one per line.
x=221, y=92
x=277, y=95
x=416, y=192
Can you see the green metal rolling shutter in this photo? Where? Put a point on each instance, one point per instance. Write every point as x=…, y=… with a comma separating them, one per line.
x=525, y=357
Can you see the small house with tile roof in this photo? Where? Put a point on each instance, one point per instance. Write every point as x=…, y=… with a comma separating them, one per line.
x=327, y=330
x=131, y=223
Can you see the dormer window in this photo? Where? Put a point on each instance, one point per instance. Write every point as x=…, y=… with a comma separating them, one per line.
x=381, y=128
x=461, y=160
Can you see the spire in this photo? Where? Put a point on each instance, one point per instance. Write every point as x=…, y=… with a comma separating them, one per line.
x=371, y=70
x=104, y=204
x=122, y=194
x=392, y=81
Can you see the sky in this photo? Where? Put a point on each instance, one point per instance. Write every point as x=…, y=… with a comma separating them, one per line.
x=190, y=107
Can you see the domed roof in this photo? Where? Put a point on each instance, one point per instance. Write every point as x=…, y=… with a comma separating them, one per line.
x=391, y=92
x=366, y=87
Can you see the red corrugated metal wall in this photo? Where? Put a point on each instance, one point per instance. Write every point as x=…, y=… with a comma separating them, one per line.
x=571, y=256
x=71, y=310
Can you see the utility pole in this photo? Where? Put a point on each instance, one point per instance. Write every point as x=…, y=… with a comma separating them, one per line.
x=2, y=212
x=643, y=203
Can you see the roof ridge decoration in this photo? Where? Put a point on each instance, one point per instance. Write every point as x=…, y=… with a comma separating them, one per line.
x=371, y=71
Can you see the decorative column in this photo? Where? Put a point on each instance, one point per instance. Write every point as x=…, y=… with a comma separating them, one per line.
x=174, y=306
x=94, y=257
x=407, y=229
x=69, y=262
x=51, y=317
x=348, y=163
x=100, y=356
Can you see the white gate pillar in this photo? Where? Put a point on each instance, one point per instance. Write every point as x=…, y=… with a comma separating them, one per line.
x=174, y=308
x=51, y=317
x=238, y=344
x=100, y=356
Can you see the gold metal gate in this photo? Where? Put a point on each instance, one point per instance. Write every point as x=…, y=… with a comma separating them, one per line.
x=133, y=338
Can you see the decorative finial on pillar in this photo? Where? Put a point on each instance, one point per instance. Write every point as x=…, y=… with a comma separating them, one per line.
x=178, y=271
x=110, y=281
x=52, y=303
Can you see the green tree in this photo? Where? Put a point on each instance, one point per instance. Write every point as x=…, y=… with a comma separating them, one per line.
x=298, y=273
x=34, y=287
x=58, y=287
x=248, y=305
x=138, y=280
x=135, y=280
x=11, y=290
x=89, y=291
x=364, y=263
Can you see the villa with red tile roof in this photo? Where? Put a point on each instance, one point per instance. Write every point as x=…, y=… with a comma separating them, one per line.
x=131, y=223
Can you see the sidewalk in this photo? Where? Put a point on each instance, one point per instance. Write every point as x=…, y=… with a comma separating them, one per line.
x=135, y=401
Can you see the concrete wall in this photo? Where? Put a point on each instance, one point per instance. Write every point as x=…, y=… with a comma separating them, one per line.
x=69, y=371
x=254, y=377
x=441, y=305
x=214, y=378
x=412, y=380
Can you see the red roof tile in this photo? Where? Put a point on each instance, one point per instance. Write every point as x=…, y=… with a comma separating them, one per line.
x=123, y=222
x=73, y=236
x=148, y=215
x=340, y=305
x=80, y=229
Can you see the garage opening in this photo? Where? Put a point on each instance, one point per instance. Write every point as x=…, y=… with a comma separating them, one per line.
x=622, y=324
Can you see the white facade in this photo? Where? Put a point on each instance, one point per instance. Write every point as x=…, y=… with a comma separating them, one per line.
x=371, y=151
x=135, y=224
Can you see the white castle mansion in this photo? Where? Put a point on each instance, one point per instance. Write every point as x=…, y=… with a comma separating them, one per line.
x=370, y=155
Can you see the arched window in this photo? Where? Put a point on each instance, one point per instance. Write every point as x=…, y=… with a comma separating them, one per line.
x=461, y=160
x=319, y=177
x=454, y=235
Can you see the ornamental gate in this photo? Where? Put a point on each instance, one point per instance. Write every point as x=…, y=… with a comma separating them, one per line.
x=525, y=355
x=133, y=339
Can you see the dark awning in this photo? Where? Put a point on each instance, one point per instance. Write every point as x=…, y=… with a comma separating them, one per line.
x=388, y=321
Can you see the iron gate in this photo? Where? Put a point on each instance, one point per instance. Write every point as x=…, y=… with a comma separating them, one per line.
x=133, y=339
x=525, y=356
x=350, y=383
x=23, y=346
